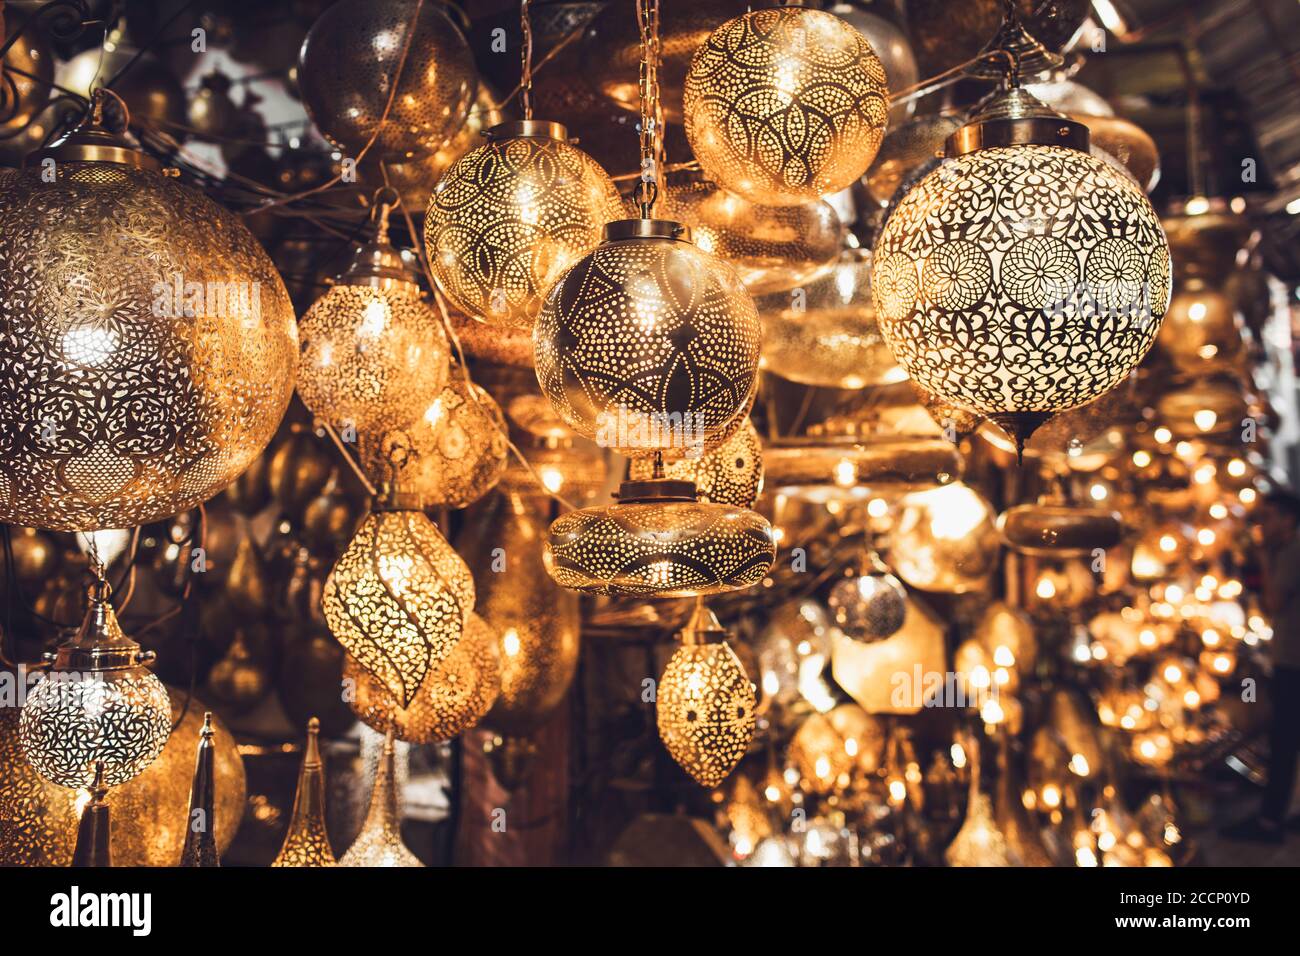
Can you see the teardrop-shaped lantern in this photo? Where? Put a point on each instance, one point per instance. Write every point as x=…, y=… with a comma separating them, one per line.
x=705, y=702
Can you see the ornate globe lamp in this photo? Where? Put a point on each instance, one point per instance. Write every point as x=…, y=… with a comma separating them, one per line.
x=1024, y=277
x=648, y=343
x=508, y=218
x=100, y=717
x=350, y=62
x=705, y=702
x=659, y=540
x=374, y=355
x=150, y=347
x=868, y=603
x=784, y=106
x=454, y=697
x=398, y=598
x=458, y=447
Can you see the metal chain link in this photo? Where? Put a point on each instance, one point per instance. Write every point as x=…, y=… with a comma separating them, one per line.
x=651, y=128
x=526, y=73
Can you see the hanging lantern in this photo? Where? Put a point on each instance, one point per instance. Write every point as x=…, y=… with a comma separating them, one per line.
x=307, y=843
x=828, y=749
x=868, y=603
x=648, y=343
x=348, y=68
x=454, y=697
x=946, y=35
x=379, y=844
x=458, y=447
x=151, y=344
x=825, y=332
x=731, y=474
x=659, y=540
x=1059, y=530
x=705, y=703
x=772, y=248
x=784, y=106
x=374, y=355
x=869, y=673
x=397, y=599
x=1202, y=332
x=508, y=218
x=989, y=301
x=534, y=624
x=99, y=706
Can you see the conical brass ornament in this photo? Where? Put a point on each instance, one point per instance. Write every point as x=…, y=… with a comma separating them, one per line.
x=200, y=847
x=705, y=702
x=94, y=834
x=980, y=841
x=380, y=841
x=307, y=843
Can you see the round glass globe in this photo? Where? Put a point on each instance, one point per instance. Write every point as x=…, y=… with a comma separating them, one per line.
x=372, y=358
x=510, y=216
x=1021, y=280
x=648, y=343
x=784, y=106
x=825, y=332
x=868, y=606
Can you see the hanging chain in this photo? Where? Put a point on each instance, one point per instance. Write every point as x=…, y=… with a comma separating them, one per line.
x=526, y=73
x=647, y=15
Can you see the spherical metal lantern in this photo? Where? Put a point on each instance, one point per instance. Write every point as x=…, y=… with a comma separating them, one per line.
x=99, y=706
x=665, y=544
x=454, y=697
x=1021, y=280
x=374, y=355
x=772, y=247
x=508, y=218
x=1202, y=331
x=148, y=352
x=349, y=62
x=731, y=474
x=705, y=703
x=1129, y=143
x=397, y=599
x=458, y=448
x=648, y=343
x=868, y=603
x=784, y=106
x=825, y=332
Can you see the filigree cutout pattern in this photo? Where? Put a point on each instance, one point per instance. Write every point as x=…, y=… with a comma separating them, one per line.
x=508, y=218
x=147, y=348
x=643, y=335
x=454, y=697
x=397, y=599
x=121, y=719
x=1021, y=279
x=458, y=449
x=371, y=358
x=661, y=549
x=785, y=106
x=704, y=706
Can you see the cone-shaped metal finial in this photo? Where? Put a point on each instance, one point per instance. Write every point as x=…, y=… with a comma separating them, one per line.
x=200, y=847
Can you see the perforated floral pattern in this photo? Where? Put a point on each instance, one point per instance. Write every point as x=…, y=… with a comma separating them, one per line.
x=508, y=218
x=372, y=359
x=147, y=347
x=784, y=106
x=704, y=706
x=1021, y=279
